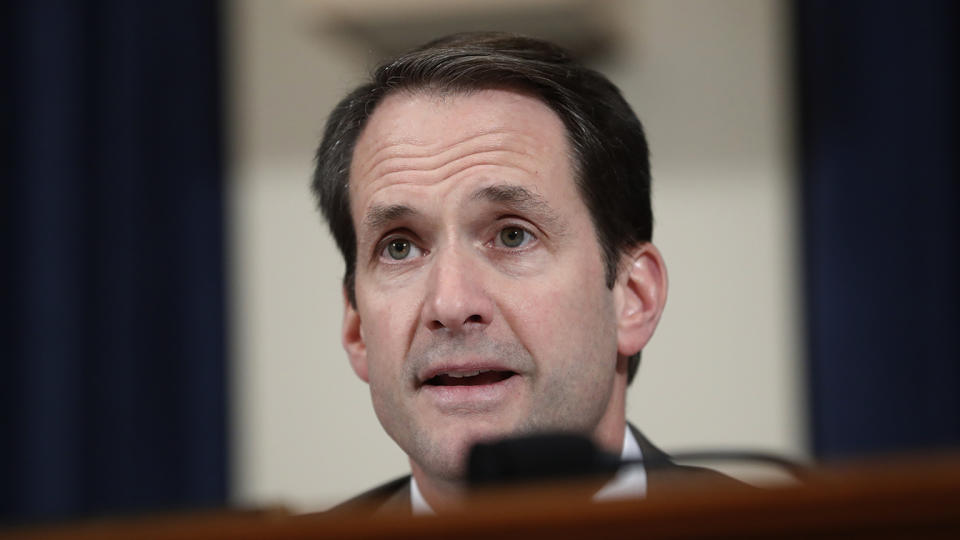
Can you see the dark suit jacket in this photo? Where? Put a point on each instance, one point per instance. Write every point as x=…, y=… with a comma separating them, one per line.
x=394, y=496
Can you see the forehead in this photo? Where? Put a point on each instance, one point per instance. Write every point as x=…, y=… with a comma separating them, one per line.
x=425, y=138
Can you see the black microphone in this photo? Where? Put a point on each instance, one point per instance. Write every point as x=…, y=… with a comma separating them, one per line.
x=538, y=457
x=557, y=456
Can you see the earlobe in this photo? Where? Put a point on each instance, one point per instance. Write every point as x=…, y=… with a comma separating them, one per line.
x=352, y=338
x=642, y=293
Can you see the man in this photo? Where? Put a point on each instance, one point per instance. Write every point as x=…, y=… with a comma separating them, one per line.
x=491, y=198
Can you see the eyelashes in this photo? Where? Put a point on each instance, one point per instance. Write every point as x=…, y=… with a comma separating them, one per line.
x=403, y=246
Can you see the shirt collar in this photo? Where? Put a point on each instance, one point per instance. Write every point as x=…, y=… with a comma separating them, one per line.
x=420, y=506
x=630, y=481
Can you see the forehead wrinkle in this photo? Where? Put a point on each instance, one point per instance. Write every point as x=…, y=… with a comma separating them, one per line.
x=397, y=156
x=453, y=169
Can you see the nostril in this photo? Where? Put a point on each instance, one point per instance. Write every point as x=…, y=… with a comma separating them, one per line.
x=452, y=325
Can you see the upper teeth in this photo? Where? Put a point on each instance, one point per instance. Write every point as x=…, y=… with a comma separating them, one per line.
x=462, y=374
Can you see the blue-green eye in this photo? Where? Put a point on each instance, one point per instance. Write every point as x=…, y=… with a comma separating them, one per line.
x=513, y=236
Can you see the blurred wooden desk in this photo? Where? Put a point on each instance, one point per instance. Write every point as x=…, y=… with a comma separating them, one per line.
x=918, y=498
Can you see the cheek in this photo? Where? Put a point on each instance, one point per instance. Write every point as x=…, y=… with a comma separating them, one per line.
x=564, y=316
x=389, y=321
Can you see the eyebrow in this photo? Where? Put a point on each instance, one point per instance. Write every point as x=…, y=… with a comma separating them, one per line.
x=380, y=216
x=520, y=200
x=515, y=198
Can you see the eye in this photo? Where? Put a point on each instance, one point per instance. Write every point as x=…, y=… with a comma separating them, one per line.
x=513, y=237
x=399, y=249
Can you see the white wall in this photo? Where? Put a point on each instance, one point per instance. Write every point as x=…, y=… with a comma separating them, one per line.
x=708, y=79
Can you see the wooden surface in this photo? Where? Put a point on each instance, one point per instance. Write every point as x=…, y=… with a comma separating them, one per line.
x=916, y=498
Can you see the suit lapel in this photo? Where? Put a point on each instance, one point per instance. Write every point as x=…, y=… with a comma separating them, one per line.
x=649, y=451
x=397, y=503
x=660, y=466
x=662, y=472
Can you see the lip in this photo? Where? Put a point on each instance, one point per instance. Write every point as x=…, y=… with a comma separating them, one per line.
x=469, y=399
x=459, y=368
x=472, y=399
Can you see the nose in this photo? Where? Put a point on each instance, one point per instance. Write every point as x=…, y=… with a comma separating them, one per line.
x=457, y=299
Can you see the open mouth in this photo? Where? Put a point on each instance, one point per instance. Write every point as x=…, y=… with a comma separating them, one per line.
x=469, y=378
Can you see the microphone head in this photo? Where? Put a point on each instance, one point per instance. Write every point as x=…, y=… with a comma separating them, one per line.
x=537, y=457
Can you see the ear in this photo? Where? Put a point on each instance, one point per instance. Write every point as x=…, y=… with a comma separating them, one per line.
x=352, y=338
x=641, y=293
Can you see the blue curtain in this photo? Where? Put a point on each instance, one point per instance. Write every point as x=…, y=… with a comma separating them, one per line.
x=113, y=389
x=878, y=113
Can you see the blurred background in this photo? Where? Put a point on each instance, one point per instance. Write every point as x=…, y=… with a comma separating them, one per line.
x=172, y=298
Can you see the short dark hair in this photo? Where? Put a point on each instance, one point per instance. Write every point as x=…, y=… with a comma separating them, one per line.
x=611, y=157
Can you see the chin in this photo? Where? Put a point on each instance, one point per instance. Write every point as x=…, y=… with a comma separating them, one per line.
x=447, y=456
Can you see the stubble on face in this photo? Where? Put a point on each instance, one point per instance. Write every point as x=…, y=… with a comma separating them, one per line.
x=428, y=444
x=572, y=400
x=553, y=323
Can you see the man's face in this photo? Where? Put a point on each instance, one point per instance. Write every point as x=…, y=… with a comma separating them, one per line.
x=482, y=309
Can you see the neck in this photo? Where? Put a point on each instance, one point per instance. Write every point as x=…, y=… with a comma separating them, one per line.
x=608, y=434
